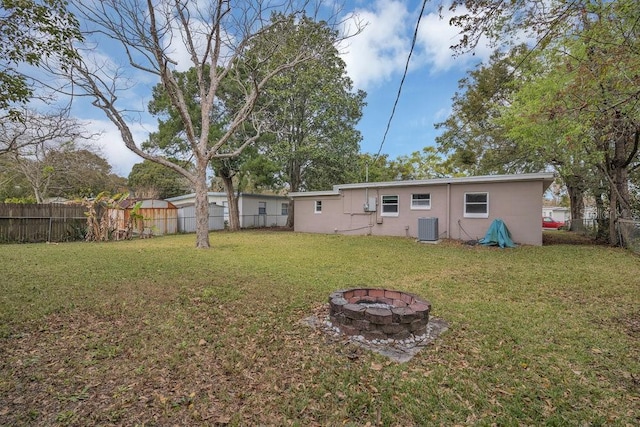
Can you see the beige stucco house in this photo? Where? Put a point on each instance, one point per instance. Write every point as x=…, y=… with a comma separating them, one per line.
x=461, y=208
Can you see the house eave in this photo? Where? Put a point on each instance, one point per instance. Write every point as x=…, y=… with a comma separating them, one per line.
x=546, y=178
x=315, y=193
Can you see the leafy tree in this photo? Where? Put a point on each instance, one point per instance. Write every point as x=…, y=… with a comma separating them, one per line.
x=309, y=102
x=574, y=105
x=169, y=139
x=227, y=171
x=315, y=110
x=80, y=172
x=473, y=138
x=479, y=137
x=370, y=168
x=152, y=180
x=500, y=22
x=425, y=164
x=587, y=100
x=31, y=31
x=216, y=37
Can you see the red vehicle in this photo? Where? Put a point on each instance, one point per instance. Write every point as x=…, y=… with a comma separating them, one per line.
x=548, y=222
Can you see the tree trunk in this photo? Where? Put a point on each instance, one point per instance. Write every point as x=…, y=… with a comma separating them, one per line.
x=575, y=189
x=290, y=214
x=232, y=201
x=295, y=177
x=613, y=214
x=602, y=223
x=202, y=209
x=619, y=183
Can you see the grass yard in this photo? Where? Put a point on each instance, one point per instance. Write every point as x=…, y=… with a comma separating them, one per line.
x=156, y=333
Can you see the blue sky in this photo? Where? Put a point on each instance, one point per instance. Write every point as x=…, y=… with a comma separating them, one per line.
x=375, y=62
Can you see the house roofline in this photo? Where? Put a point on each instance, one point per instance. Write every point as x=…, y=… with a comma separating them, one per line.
x=222, y=194
x=546, y=178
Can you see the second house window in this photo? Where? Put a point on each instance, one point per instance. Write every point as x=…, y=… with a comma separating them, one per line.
x=421, y=201
x=476, y=205
x=389, y=205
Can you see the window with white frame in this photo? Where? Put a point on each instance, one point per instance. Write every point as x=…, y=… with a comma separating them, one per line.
x=476, y=205
x=389, y=205
x=285, y=209
x=421, y=201
x=318, y=206
x=262, y=208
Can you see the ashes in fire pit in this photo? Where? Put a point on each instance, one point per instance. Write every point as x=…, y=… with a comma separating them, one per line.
x=379, y=314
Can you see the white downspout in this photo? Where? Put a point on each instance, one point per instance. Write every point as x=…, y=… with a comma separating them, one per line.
x=448, y=210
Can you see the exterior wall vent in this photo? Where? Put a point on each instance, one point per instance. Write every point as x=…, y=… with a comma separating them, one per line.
x=427, y=229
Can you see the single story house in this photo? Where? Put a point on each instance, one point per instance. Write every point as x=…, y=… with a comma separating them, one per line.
x=460, y=208
x=256, y=210
x=187, y=217
x=557, y=213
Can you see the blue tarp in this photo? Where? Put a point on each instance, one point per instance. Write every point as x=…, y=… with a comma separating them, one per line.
x=498, y=235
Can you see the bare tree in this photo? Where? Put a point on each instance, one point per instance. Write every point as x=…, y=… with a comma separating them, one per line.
x=30, y=140
x=34, y=129
x=212, y=36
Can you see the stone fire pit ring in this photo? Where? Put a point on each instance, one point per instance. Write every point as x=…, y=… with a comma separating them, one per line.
x=378, y=314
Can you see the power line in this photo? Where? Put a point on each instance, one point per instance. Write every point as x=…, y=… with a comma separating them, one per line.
x=404, y=75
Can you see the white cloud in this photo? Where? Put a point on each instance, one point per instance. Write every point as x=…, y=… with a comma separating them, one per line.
x=381, y=49
x=111, y=146
x=435, y=38
x=442, y=114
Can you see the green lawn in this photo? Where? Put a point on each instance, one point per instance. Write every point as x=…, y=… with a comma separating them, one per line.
x=156, y=332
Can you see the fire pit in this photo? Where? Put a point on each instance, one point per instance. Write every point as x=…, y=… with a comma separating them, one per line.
x=379, y=314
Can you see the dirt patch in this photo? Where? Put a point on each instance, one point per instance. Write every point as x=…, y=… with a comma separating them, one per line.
x=566, y=238
x=631, y=324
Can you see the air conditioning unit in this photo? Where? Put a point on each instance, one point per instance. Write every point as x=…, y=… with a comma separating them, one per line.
x=427, y=229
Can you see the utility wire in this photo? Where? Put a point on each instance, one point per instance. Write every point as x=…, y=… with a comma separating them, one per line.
x=404, y=75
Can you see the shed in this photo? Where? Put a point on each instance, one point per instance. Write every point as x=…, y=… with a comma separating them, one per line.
x=159, y=216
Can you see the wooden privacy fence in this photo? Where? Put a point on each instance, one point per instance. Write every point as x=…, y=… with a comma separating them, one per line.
x=21, y=223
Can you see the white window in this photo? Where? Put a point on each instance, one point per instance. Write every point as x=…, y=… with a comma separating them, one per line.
x=421, y=201
x=285, y=209
x=476, y=205
x=389, y=205
x=318, y=206
x=262, y=208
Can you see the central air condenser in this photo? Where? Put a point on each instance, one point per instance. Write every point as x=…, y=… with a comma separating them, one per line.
x=427, y=229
